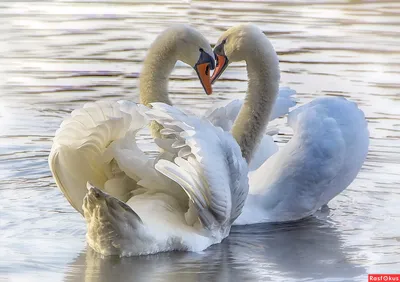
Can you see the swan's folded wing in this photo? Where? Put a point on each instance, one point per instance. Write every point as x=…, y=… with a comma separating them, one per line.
x=85, y=149
x=209, y=166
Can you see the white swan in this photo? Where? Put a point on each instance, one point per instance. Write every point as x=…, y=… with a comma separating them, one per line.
x=178, y=42
x=130, y=208
x=326, y=152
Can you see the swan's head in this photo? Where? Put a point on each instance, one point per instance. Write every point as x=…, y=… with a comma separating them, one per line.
x=194, y=49
x=237, y=44
x=112, y=208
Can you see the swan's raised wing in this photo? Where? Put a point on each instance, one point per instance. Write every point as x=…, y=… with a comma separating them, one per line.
x=351, y=126
x=326, y=152
x=225, y=116
x=209, y=165
x=283, y=103
x=97, y=144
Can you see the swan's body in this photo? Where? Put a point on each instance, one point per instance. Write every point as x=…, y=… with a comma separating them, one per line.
x=129, y=206
x=326, y=152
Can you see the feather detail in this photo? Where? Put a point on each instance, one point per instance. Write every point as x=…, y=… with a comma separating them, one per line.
x=209, y=166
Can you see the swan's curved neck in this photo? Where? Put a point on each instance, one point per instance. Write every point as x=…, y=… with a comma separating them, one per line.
x=154, y=76
x=263, y=87
x=157, y=67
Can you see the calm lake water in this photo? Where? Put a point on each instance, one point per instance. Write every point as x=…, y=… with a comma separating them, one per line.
x=57, y=55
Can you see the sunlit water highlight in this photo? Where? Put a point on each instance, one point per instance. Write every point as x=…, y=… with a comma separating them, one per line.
x=57, y=55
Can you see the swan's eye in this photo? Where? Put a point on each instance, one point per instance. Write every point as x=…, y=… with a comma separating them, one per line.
x=223, y=41
x=201, y=50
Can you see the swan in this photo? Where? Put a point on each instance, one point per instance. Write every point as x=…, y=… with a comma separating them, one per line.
x=135, y=205
x=329, y=144
x=178, y=42
x=169, y=47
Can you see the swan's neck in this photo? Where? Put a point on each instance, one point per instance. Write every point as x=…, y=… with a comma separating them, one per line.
x=154, y=77
x=263, y=87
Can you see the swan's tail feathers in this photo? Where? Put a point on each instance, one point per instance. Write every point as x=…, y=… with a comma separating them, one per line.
x=110, y=222
x=84, y=150
x=208, y=166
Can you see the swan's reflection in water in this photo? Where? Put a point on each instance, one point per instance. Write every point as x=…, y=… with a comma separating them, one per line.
x=310, y=249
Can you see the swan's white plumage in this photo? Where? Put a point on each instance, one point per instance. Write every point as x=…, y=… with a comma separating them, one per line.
x=210, y=168
x=327, y=150
x=132, y=209
x=225, y=116
x=79, y=146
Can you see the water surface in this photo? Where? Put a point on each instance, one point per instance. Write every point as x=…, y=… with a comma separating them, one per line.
x=57, y=55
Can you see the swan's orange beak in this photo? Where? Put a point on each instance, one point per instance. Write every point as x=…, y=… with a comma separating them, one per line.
x=203, y=72
x=222, y=63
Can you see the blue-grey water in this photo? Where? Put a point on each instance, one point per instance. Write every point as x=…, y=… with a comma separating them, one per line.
x=57, y=55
